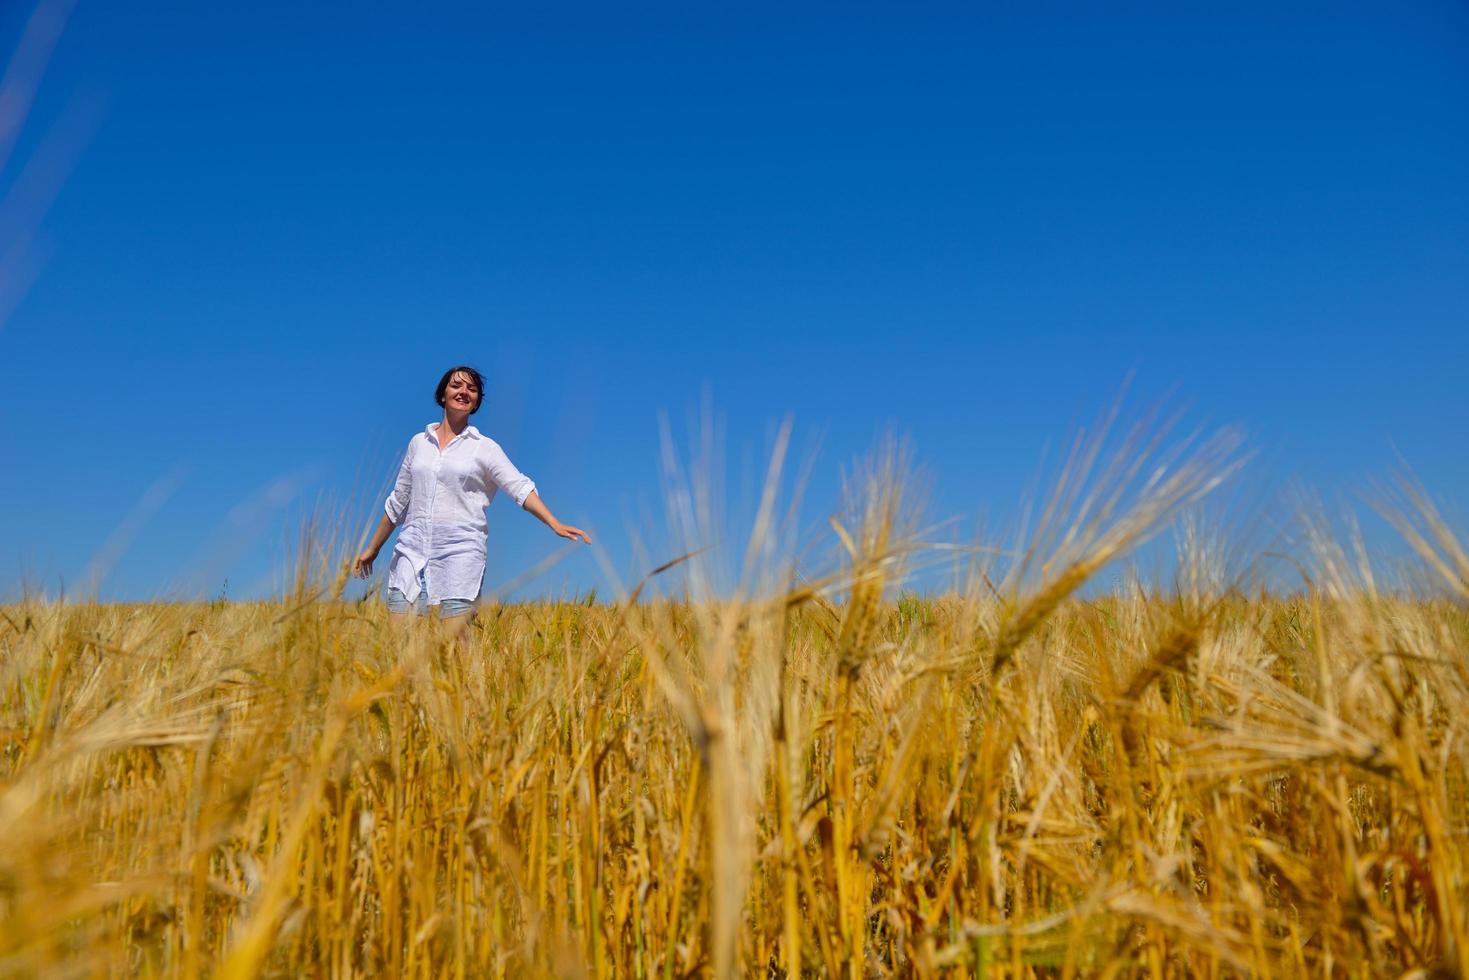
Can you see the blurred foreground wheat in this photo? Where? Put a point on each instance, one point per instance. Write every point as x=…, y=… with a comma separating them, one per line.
x=1267, y=786
x=818, y=781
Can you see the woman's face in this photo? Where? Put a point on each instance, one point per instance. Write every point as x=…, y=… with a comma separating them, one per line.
x=461, y=394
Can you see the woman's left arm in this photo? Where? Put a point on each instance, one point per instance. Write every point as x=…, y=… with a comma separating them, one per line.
x=537, y=506
x=523, y=491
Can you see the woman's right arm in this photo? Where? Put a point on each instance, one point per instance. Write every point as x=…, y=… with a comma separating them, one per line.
x=362, y=567
x=393, y=510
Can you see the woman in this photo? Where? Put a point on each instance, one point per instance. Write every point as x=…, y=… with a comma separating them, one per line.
x=448, y=477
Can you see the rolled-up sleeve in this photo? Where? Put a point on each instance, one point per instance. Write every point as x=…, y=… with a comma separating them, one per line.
x=504, y=474
x=397, y=503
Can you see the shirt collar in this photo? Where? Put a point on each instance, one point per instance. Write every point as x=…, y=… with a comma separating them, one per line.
x=432, y=429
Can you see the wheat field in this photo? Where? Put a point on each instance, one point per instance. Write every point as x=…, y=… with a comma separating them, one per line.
x=820, y=777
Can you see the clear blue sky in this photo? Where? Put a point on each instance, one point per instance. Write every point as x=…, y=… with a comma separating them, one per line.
x=970, y=222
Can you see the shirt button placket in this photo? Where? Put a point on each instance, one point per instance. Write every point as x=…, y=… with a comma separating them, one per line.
x=432, y=508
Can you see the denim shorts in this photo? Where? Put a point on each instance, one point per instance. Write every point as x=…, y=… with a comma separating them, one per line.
x=448, y=608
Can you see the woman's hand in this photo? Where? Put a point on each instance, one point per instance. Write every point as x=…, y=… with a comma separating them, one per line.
x=536, y=506
x=362, y=567
x=574, y=533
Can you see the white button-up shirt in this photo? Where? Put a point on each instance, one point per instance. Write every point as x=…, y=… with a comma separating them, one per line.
x=438, y=504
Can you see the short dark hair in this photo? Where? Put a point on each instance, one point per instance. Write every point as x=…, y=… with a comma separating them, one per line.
x=470, y=373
